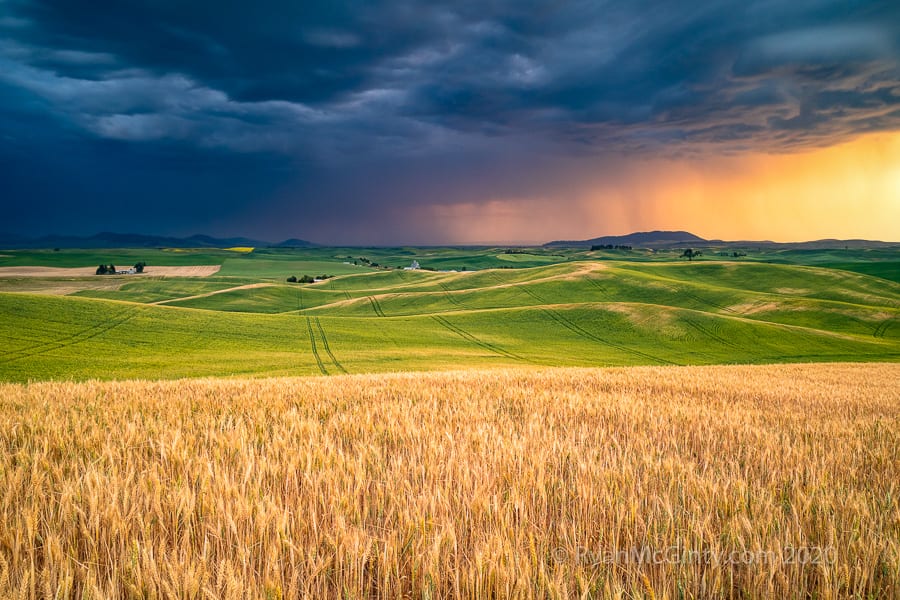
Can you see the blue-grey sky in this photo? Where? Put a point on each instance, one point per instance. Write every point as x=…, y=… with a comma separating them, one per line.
x=420, y=122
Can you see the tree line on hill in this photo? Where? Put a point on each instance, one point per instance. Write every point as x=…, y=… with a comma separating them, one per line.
x=111, y=269
x=609, y=247
x=307, y=278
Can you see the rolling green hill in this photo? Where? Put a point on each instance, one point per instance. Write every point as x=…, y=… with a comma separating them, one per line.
x=575, y=313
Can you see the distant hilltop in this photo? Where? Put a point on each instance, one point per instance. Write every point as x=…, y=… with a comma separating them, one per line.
x=641, y=239
x=136, y=240
x=685, y=239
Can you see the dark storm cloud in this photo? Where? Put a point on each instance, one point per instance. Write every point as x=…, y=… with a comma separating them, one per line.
x=262, y=77
x=341, y=84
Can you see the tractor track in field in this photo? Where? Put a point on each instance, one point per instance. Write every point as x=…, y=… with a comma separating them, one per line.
x=76, y=338
x=524, y=288
x=376, y=306
x=312, y=343
x=596, y=284
x=325, y=345
x=11, y=356
x=579, y=330
x=450, y=296
x=500, y=281
x=478, y=342
x=697, y=298
x=703, y=330
x=882, y=327
x=60, y=343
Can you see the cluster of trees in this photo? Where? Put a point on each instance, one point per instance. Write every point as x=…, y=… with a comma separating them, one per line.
x=307, y=278
x=363, y=260
x=734, y=254
x=609, y=247
x=691, y=254
x=111, y=269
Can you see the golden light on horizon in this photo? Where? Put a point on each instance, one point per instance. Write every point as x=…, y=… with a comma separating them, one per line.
x=850, y=190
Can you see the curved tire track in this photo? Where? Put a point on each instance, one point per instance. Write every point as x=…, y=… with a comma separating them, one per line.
x=325, y=345
x=596, y=284
x=577, y=329
x=882, y=327
x=312, y=343
x=76, y=338
x=700, y=300
x=376, y=306
x=471, y=338
x=450, y=296
x=700, y=328
x=524, y=288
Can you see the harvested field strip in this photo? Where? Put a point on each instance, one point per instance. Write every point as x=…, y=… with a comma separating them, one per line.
x=150, y=271
x=249, y=286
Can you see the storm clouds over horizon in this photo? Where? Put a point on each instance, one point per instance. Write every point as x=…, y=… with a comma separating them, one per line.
x=403, y=122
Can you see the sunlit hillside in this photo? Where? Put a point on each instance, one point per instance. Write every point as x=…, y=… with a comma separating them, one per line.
x=578, y=313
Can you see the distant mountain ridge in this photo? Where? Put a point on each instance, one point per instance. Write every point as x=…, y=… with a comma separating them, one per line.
x=685, y=239
x=294, y=243
x=640, y=239
x=108, y=239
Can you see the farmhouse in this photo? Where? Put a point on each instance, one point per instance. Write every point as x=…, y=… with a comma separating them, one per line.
x=413, y=267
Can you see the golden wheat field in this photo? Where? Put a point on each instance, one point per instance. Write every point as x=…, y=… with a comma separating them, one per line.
x=684, y=482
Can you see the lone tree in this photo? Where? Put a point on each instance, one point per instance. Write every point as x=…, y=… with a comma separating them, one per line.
x=139, y=267
x=690, y=254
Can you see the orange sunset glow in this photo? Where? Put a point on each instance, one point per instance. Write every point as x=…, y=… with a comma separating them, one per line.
x=850, y=190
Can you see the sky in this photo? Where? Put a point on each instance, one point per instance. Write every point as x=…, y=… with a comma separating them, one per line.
x=454, y=122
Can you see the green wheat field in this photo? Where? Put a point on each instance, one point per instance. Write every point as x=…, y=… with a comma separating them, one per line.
x=561, y=308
